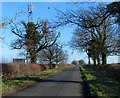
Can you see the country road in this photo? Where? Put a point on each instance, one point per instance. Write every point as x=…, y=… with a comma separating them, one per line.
x=66, y=83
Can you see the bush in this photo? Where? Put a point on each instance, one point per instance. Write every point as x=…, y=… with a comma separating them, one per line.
x=100, y=85
x=110, y=70
x=13, y=70
x=74, y=62
x=81, y=62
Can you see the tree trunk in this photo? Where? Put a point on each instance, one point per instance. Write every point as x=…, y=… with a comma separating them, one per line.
x=94, y=57
x=94, y=60
x=104, y=60
x=89, y=60
x=98, y=60
x=33, y=59
x=51, y=66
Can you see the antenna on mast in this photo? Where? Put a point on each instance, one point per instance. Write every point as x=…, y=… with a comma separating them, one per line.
x=30, y=12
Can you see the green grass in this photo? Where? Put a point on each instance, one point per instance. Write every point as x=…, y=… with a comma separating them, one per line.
x=99, y=84
x=21, y=82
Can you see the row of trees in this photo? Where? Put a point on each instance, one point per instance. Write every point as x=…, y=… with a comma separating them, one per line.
x=96, y=32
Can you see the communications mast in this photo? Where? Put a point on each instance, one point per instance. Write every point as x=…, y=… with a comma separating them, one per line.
x=30, y=12
x=30, y=19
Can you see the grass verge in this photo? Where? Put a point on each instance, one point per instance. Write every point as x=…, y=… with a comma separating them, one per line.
x=14, y=84
x=99, y=84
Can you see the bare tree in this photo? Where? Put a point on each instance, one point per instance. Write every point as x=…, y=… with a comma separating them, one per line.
x=53, y=55
x=97, y=41
x=34, y=37
x=9, y=21
x=114, y=9
x=95, y=29
x=6, y=22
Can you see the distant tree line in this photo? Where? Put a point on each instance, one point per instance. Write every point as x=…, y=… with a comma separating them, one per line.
x=79, y=62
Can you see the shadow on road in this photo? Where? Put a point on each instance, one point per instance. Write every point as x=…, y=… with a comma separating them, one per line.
x=50, y=80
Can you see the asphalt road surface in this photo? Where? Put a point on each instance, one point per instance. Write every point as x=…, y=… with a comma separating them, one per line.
x=66, y=83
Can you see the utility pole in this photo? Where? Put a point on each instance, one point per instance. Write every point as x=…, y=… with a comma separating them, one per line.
x=30, y=12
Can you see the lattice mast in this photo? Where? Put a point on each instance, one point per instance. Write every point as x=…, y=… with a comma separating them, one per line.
x=30, y=19
x=30, y=12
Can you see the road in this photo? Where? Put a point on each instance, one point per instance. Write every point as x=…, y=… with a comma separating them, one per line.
x=66, y=83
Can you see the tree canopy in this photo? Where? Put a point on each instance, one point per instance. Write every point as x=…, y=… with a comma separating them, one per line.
x=95, y=31
x=53, y=55
x=34, y=37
